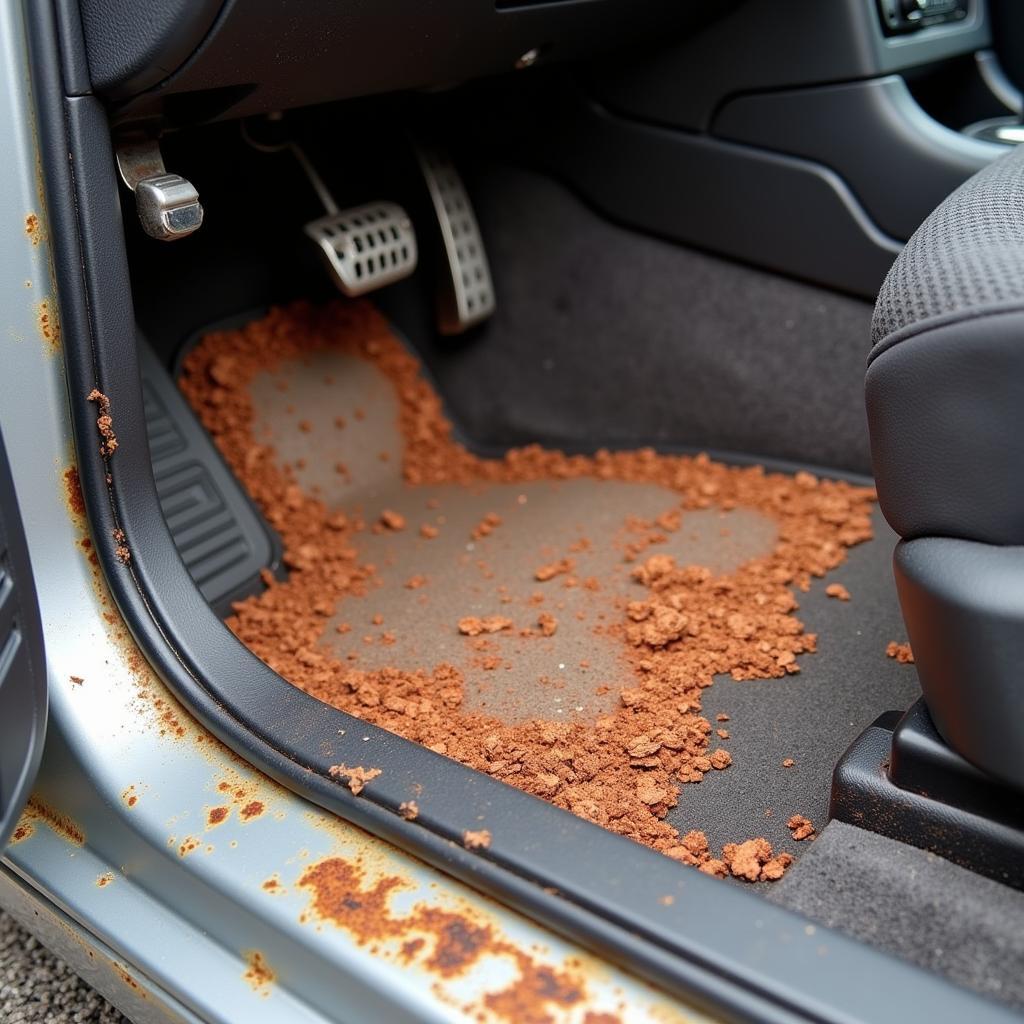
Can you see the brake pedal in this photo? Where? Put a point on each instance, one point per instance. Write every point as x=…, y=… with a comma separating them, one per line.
x=466, y=295
x=365, y=247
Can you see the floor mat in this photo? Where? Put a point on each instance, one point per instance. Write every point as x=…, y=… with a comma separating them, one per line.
x=554, y=620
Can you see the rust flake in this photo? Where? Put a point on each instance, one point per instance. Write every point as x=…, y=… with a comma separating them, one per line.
x=446, y=943
x=129, y=796
x=33, y=228
x=105, y=879
x=62, y=824
x=216, y=816
x=259, y=973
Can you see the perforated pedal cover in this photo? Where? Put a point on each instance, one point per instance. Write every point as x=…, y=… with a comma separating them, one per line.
x=366, y=247
x=469, y=295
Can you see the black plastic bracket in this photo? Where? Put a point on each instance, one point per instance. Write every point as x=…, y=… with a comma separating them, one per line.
x=901, y=780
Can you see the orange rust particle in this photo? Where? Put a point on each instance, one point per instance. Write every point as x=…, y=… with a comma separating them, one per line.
x=77, y=680
x=356, y=777
x=476, y=840
x=788, y=762
x=217, y=815
x=105, y=879
x=59, y=823
x=271, y=884
x=553, y=569
x=190, y=845
x=124, y=555
x=129, y=796
x=801, y=827
x=32, y=228
x=251, y=810
x=548, y=624
x=486, y=526
x=104, y=423
x=23, y=831
x=392, y=520
x=901, y=652
x=258, y=973
x=409, y=810
x=838, y=591
x=428, y=532
x=473, y=626
x=73, y=485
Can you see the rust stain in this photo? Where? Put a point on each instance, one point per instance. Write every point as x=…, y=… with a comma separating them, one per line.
x=216, y=816
x=189, y=845
x=129, y=796
x=24, y=830
x=75, y=499
x=446, y=943
x=251, y=810
x=49, y=326
x=33, y=228
x=272, y=884
x=63, y=825
x=105, y=879
x=123, y=974
x=259, y=973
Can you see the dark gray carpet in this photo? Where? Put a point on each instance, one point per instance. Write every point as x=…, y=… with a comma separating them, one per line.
x=37, y=987
x=607, y=336
x=914, y=905
x=811, y=717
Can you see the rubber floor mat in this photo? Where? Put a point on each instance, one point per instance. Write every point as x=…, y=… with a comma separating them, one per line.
x=554, y=620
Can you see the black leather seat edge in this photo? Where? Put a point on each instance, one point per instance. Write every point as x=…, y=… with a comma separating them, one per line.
x=945, y=400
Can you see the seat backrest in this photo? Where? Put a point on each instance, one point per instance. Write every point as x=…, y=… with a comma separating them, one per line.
x=945, y=382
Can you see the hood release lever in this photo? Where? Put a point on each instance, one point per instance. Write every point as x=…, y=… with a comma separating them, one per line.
x=168, y=204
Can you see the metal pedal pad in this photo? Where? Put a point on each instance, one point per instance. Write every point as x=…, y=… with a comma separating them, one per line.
x=467, y=296
x=366, y=247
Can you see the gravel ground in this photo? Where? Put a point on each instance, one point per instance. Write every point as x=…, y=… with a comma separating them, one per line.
x=36, y=986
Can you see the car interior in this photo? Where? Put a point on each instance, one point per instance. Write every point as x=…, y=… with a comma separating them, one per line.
x=470, y=412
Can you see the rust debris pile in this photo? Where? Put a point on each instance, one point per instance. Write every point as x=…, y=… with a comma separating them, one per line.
x=623, y=769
